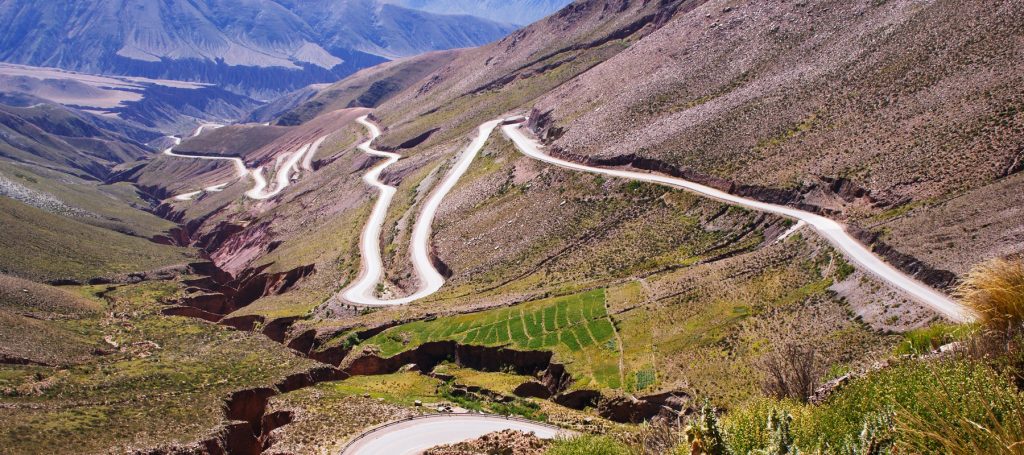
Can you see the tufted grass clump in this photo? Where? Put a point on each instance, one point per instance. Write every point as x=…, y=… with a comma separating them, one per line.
x=994, y=291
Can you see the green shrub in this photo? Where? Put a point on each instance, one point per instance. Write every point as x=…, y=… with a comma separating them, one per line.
x=966, y=390
x=935, y=405
x=704, y=435
x=780, y=441
x=927, y=339
x=962, y=418
x=875, y=439
x=745, y=428
x=843, y=269
x=587, y=445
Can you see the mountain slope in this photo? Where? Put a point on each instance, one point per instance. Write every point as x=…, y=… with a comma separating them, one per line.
x=850, y=120
x=610, y=300
x=390, y=31
x=520, y=12
x=52, y=136
x=891, y=108
x=147, y=103
x=60, y=218
x=254, y=47
x=367, y=88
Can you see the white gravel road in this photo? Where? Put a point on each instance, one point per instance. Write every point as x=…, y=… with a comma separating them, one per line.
x=414, y=436
x=831, y=230
x=363, y=290
x=260, y=190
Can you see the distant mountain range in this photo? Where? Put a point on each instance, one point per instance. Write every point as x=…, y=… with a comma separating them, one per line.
x=259, y=48
x=519, y=12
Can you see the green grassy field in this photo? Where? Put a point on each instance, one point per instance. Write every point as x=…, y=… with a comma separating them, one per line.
x=576, y=327
x=494, y=381
x=161, y=381
x=398, y=388
x=39, y=245
x=568, y=323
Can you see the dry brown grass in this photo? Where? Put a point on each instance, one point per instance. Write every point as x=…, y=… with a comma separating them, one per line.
x=994, y=290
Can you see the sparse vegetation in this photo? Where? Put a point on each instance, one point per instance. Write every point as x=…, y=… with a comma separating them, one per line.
x=43, y=246
x=587, y=445
x=154, y=380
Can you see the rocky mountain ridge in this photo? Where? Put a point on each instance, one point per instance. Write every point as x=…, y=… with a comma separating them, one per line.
x=259, y=48
x=519, y=12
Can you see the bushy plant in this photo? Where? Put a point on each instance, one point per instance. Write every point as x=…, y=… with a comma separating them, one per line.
x=745, y=427
x=961, y=418
x=927, y=339
x=781, y=440
x=959, y=395
x=704, y=434
x=994, y=291
x=912, y=407
x=875, y=439
x=792, y=371
x=587, y=444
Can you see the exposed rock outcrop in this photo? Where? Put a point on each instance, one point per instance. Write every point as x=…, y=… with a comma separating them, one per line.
x=934, y=277
x=551, y=383
x=248, y=427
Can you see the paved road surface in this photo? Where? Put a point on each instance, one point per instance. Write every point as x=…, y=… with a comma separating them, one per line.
x=362, y=291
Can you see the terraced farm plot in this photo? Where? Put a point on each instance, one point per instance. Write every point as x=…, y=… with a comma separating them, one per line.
x=572, y=322
x=575, y=327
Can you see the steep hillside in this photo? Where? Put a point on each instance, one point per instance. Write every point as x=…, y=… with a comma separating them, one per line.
x=54, y=137
x=845, y=119
x=385, y=30
x=519, y=12
x=61, y=218
x=253, y=47
x=367, y=88
x=874, y=110
x=592, y=301
x=485, y=82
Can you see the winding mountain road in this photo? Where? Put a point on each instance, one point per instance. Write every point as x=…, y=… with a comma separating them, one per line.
x=292, y=161
x=363, y=290
x=831, y=230
x=413, y=436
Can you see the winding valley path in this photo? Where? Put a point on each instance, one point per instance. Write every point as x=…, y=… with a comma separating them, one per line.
x=413, y=436
x=363, y=290
x=293, y=162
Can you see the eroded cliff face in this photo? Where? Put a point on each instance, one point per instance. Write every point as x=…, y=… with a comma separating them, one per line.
x=553, y=381
x=248, y=425
x=214, y=298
